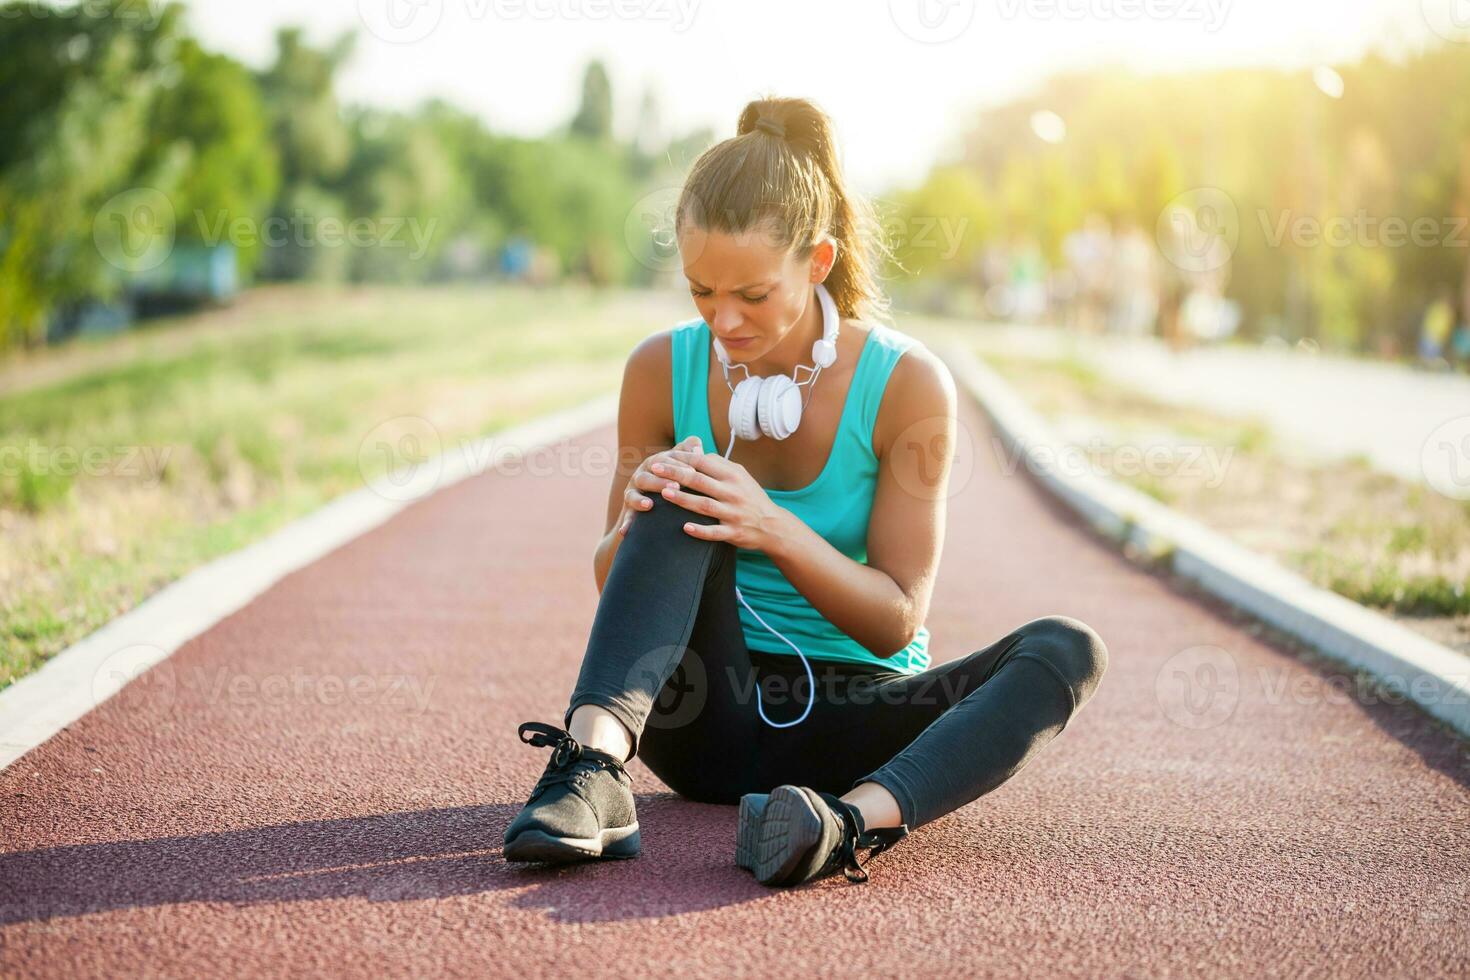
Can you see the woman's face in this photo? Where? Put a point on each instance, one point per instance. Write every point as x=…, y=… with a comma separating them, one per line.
x=747, y=288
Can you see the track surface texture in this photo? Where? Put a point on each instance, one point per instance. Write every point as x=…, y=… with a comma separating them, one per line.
x=319, y=784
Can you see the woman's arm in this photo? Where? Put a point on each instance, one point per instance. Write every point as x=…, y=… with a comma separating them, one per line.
x=881, y=604
x=645, y=426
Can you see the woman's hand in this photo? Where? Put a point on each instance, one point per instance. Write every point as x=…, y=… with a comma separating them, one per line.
x=644, y=479
x=747, y=517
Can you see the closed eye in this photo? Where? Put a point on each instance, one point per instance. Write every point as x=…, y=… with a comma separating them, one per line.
x=748, y=299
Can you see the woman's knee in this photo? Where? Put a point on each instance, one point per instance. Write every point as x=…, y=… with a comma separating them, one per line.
x=668, y=518
x=1073, y=648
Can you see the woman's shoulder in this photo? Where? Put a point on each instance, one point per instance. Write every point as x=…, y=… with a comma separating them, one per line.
x=914, y=364
x=919, y=390
x=656, y=351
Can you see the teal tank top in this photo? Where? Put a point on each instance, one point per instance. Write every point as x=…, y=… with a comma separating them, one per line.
x=837, y=504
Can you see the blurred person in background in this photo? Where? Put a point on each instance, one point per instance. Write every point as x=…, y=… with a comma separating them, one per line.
x=1088, y=251
x=1435, y=328
x=1028, y=279
x=1135, y=281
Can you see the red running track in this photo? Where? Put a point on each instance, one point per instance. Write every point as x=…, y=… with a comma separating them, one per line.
x=319, y=783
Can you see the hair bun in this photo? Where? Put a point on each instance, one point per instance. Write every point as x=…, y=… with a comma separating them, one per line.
x=771, y=125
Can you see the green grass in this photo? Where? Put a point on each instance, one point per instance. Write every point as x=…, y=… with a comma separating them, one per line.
x=258, y=414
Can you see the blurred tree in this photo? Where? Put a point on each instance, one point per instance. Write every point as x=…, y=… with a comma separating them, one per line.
x=938, y=228
x=409, y=192
x=314, y=144
x=78, y=91
x=593, y=120
x=210, y=117
x=647, y=134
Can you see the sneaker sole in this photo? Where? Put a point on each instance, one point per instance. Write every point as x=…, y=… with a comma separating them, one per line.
x=537, y=845
x=788, y=829
x=752, y=807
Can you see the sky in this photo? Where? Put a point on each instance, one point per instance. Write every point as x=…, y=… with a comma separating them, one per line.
x=898, y=77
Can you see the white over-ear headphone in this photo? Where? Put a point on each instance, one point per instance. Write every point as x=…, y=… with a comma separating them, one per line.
x=773, y=404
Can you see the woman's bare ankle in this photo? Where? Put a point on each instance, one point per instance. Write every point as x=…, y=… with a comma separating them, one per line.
x=597, y=728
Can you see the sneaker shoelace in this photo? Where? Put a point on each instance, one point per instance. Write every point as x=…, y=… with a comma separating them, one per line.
x=844, y=856
x=568, y=764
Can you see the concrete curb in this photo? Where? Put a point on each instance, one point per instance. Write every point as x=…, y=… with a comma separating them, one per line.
x=1410, y=665
x=92, y=670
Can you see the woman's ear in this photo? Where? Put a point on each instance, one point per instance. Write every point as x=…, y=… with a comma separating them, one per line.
x=824, y=257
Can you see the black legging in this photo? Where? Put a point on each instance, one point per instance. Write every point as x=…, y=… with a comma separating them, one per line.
x=666, y=656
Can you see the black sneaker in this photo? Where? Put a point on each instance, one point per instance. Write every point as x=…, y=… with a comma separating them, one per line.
x=806, y=835
x=752, y=806
x=581, y=808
